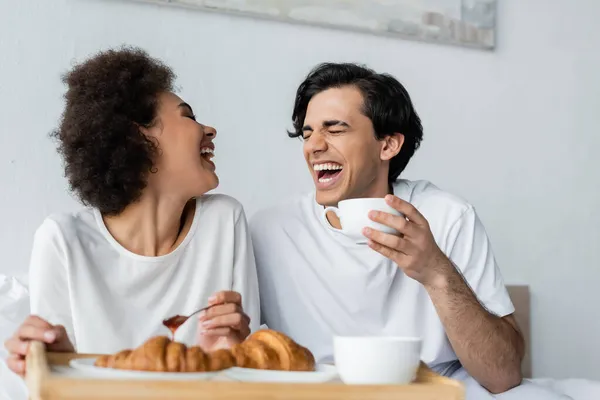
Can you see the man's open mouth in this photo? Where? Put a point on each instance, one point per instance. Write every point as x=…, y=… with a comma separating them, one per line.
x=327, y=172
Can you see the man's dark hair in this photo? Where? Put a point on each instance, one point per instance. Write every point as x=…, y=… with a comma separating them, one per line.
x=107, y=159
x=385, y=102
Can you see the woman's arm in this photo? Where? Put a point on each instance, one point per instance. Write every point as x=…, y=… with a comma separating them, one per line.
x=51, y=320
x=234, y=314
x=48, y=279
x=245, y=280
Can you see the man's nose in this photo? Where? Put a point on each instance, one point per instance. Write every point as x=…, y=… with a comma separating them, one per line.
x=316, y=143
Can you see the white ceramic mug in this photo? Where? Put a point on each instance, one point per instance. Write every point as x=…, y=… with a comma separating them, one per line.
x=377, y=360
x=354, y=217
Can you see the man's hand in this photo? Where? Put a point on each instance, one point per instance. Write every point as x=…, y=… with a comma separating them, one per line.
x=489, y=347
x=35, y=328
x=224, y=323
x=414, y=250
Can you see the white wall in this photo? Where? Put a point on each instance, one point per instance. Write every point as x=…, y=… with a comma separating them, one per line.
x=515, y=131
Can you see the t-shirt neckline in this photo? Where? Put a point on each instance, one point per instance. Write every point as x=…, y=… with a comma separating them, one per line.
x=337, y=234
x=151, y=259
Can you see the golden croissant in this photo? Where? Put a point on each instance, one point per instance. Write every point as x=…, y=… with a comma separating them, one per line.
x=264, y=349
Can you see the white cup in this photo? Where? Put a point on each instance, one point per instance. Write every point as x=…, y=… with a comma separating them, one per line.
x=354, y=217
x=374, y=360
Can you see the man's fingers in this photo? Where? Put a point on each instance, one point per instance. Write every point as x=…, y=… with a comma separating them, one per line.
x=399, y=223
x=390, y=241
x=397, y=257
x=16, y=364
x=16, y=346
x=407, y=209
x=226, y=296
x=383, y=250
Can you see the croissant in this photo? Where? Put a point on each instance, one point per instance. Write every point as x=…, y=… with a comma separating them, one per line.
x=269, y=349
x=264, y=349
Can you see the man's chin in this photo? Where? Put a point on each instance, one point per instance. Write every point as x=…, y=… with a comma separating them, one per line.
x=327, y=198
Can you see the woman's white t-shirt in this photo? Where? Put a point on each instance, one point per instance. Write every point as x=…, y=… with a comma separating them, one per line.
x=109, y=298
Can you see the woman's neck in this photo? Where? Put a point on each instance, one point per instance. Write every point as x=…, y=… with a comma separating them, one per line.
x=154, y=225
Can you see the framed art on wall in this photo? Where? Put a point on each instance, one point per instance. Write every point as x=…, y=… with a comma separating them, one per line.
x=470, y=23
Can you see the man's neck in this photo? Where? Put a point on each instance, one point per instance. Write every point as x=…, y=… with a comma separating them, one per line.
x=153, y=226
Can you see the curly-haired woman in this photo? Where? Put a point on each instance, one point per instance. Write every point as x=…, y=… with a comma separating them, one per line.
x=150, y=243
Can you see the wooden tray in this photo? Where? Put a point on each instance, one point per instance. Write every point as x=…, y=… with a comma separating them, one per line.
x=45, y=384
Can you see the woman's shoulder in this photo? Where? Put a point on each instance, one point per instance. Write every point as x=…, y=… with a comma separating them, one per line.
x=220, y=204
x=66, y=225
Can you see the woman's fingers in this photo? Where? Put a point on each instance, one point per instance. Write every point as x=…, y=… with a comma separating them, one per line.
x=16, y=346
x=225, y=296
x=16, y=364
x=224, y=331
x=61, y=340
x=235, y=321
x=33, y=332
x=36, y=328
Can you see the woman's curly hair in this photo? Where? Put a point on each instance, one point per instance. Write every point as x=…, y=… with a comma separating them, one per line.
x=107, y=159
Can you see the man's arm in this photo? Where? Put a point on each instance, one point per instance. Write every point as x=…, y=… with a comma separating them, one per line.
x=489, y=347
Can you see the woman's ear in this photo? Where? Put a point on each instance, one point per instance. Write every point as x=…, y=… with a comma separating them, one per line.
x=149, y=131
x=392, y=145
x=152, y=131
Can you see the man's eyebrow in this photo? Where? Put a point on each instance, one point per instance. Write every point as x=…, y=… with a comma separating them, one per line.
x=328, y=124
x=335, y=122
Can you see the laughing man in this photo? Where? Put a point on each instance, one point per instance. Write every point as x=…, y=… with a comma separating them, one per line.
x=438, y=280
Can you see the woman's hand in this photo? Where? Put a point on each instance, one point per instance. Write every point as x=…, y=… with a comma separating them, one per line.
x=34, y=328
x=224, y=324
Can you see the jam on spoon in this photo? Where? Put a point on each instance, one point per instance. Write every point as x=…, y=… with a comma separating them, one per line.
x=173, y=323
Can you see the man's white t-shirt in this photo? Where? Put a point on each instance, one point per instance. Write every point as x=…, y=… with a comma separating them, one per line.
x=316, y=283
x=110, y=299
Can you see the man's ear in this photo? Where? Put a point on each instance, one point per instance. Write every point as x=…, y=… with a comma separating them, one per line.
x=392, y=145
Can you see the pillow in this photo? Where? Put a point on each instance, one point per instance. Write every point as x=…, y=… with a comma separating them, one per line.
x=14, y=308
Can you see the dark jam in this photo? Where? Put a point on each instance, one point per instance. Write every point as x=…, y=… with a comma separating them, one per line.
x=173, y=323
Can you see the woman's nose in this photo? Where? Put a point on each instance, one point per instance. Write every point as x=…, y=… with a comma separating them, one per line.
x=210, y=132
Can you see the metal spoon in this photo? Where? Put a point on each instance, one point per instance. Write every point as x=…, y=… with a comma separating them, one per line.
x=176, y=321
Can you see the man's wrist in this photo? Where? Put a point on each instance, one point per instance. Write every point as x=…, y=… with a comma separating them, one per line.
x=442, y=275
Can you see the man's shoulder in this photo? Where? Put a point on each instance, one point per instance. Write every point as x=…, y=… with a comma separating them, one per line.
x=430, y=199
x=442, y=209
x=293, y=211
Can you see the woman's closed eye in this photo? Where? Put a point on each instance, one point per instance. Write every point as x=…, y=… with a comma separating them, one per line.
x=191, y=117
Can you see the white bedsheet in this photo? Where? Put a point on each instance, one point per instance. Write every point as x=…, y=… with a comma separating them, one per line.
x=534, y=389
x=14, y=307
x=577, y=389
